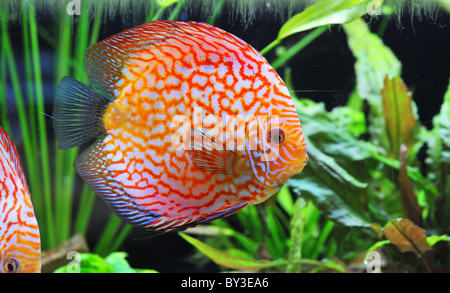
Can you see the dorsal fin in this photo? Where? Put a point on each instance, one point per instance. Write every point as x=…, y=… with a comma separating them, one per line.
x=105, y=60
x=10, y=157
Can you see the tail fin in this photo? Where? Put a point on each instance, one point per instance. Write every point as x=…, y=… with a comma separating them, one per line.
x=77, y=113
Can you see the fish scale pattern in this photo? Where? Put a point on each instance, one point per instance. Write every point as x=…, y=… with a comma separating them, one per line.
x=19, y=231
x=162, y=70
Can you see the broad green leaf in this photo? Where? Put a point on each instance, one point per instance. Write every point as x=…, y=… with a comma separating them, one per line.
x=323, y=13
x=398, y=113
x=119, y=264
x=374, y=61
x=413, y=173
x=400, y=117
x=89, y=263
x=439, y=163
x=113, y=263
x=335, y=176
x=251, y=265
x=93, y=263
x=335, y=133
x=351, y=119
x=332, y=189
x=230, y=261
x=406, y=236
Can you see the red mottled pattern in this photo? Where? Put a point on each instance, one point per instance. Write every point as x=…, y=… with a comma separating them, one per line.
x=20, y=248
x=163, y=70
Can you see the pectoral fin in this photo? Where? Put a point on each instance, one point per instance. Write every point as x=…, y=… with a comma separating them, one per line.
x=210, y=155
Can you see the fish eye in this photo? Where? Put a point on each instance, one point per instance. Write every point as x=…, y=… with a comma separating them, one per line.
x=11, y=265
x=276, y=136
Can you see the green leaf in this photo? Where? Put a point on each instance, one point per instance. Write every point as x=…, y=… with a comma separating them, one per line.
x=166, y=3
x=89, y=263
x=444, y=3
x=275, y=239
x=336, y=193
x=406, y=236
x=336, y=173
x=332, y=265
x=398, y=113
x=113, y=263
x=376, y=245
x=374, y=61
x=325, y=12
x=284, y=198
x=213, y=230
x=351, y=119
x=341, y=144
x=432, y=240
x=119, y=264
x=410, y=205
x=231, y=261
x=438, y=162
x=297, y=227
x=400, y=117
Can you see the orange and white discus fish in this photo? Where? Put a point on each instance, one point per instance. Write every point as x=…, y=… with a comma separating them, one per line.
x=153, y=78
x=20, y=244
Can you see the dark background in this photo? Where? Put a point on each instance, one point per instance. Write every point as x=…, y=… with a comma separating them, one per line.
x=326, y=67
x=323, y=72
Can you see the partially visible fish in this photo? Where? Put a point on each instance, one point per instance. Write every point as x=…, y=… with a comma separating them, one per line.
x=148, y=76
x=20, y=244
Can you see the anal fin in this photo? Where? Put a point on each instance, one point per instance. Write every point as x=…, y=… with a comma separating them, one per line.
x=91, y=165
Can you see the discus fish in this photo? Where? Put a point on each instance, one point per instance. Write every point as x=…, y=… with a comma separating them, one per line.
x=20, y=244
x=156, y=76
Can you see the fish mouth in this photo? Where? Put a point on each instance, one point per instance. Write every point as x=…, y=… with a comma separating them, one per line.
x=301, y=163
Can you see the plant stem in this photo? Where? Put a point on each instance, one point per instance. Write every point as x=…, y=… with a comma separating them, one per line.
x=42, y=128
x=108, y=234
x=270, y=47
x=85, y=206
x=62, y=166
x=177, y=10
x=297, y=227
x=120, y=237
x=217, y=10
x=3, y=93
x=326, y=230
x=97, y=22
x=292, y=51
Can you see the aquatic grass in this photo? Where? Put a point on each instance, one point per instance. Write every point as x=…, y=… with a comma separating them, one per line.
x=10, y=64
x=41, y=122
x=297, y=47
x=62, y=163
x=290, y=236
x=53, y=182
x=3, y=93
